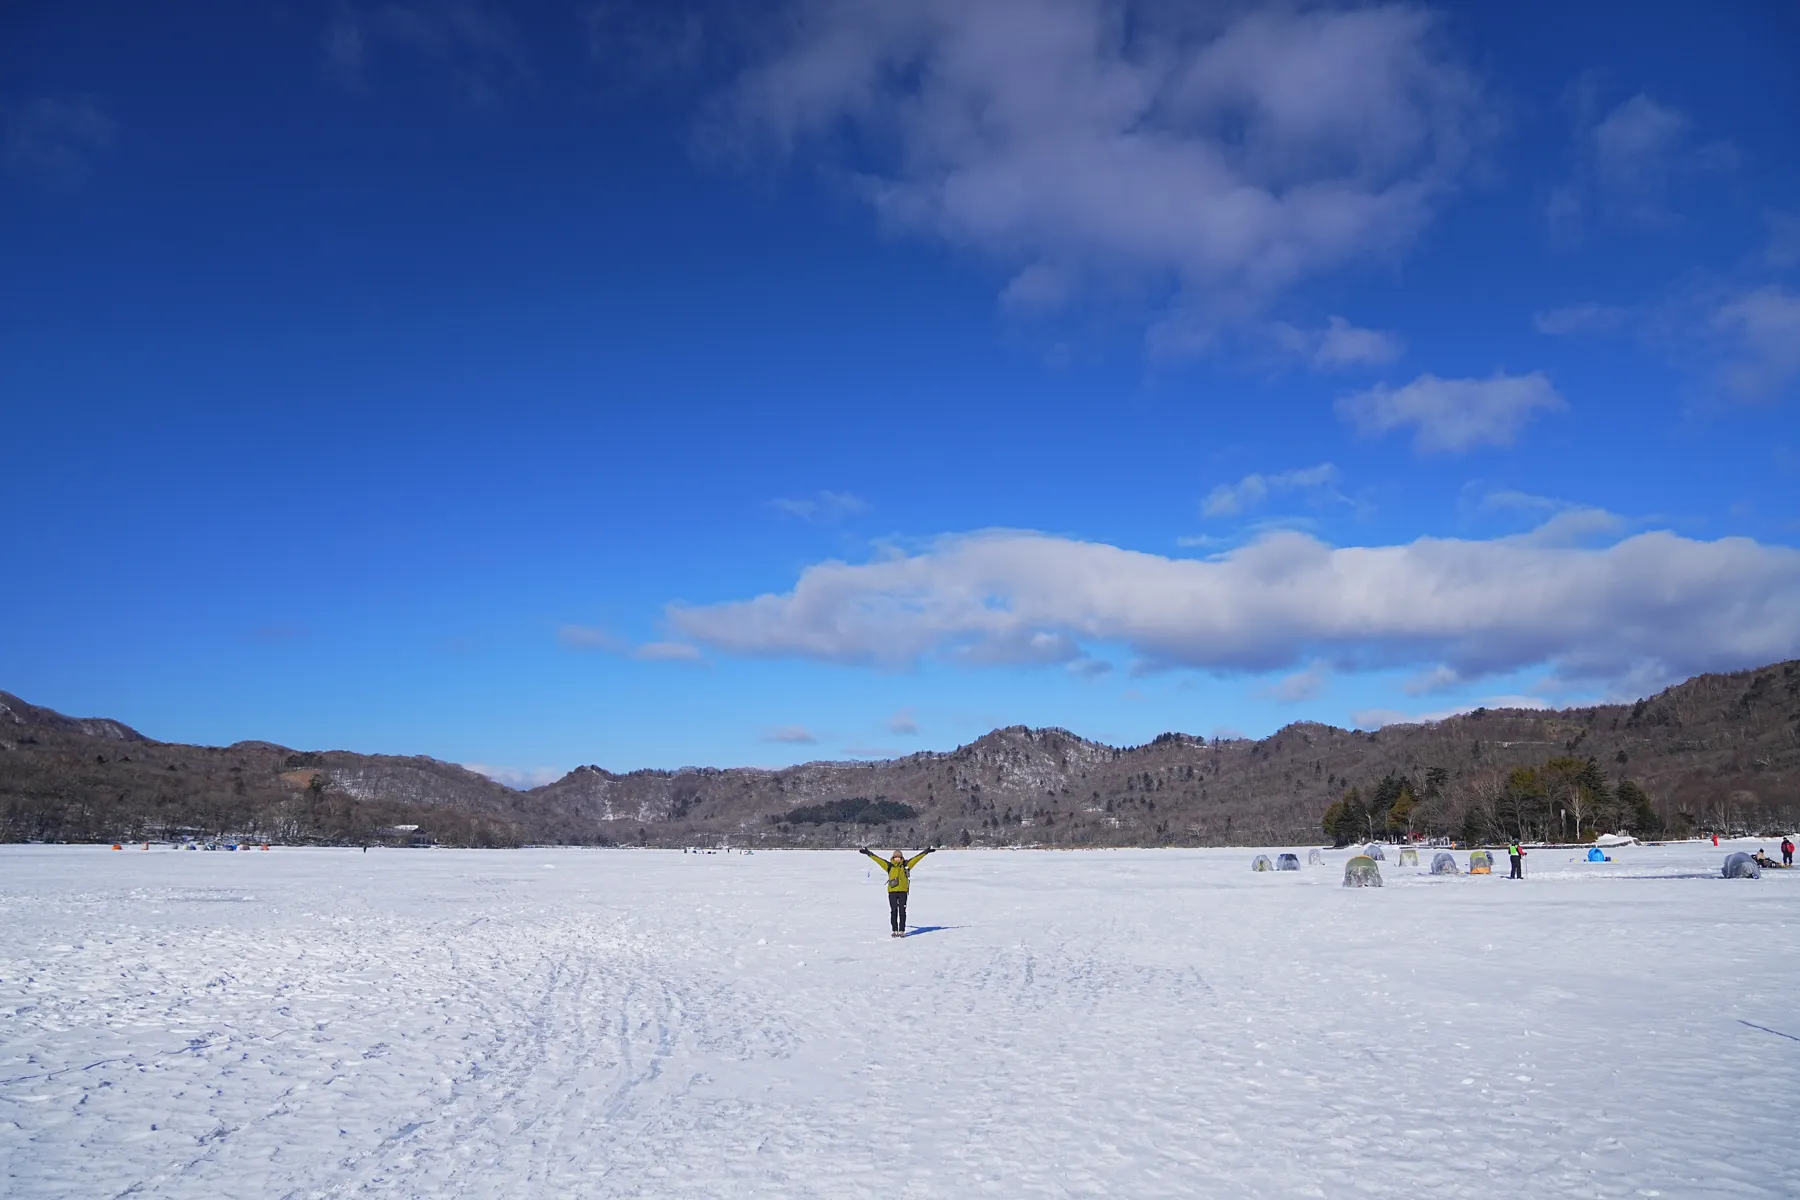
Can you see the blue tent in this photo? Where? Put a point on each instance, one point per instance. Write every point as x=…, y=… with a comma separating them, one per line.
x=1594, y=855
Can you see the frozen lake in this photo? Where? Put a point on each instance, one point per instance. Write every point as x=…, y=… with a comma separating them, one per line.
x=310, y=1022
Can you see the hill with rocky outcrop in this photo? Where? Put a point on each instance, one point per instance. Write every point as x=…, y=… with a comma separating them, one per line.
x=1719, y=751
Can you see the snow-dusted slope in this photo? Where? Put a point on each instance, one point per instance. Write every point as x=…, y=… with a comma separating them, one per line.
x=1129, y=1023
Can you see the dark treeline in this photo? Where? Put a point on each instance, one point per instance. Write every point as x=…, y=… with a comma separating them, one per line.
x=854, y=810
x=1563, y=799
x=312, y=817
x=146, y=791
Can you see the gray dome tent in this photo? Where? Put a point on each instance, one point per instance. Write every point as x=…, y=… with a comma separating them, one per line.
x=1261, y=863
x=1409, y=856
x=1375, y=852
x=1361, y=871
x=1287, y=862
x=1314, y=858
x=1443, y=863
x=1739, y=865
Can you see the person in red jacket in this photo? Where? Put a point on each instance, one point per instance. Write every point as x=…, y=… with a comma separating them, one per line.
x=1787, y=852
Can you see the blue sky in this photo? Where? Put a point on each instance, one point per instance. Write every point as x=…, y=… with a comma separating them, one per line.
x=655, y=385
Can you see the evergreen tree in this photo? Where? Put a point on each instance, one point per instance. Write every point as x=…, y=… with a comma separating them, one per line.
x=1346, y=820
x=1400, y=814
x=1640, y=817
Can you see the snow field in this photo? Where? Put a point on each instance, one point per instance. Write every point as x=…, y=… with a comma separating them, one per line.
x=305, y=1023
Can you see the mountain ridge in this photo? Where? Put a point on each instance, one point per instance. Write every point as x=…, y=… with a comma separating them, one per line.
x=1711, y=751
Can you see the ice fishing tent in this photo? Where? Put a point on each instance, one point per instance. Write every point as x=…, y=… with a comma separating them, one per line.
x=1287, y=862
x=1314, y=858
x=1409, y=857
x=1444, y=863
x=1481, y=863
x=1595, y=854
x=1361, y=871
x=1261, y=863
x=1375, y=852
x=1739, y=865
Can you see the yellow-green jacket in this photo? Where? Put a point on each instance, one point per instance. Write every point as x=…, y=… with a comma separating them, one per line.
x=899, y=874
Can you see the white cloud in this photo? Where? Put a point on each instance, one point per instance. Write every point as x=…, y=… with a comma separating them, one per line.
x=1783, y=249
x=476, y=47
x=1632, y=146
x=1559, y=522
x=1453, y=415
x=1380, y=718
x=821, y=507
x=1228, y=153
x=1625, y=162
x=1301, y=685
x=1339, y=345
x=1344, y=345
x=1229, y=499
x=519, y=778
x=1763, y=328
x=1652, y=605
x=1037, y=288
x=1748, y=334
x=52, y=140
x=593, y=637
x=1508, y=499
x=792, y=735
x=641, y=47
x=1436, y=679
x=667, y=652
x=590, y=637
x=1574, y=525
x=1580, y=318
x=904, y=723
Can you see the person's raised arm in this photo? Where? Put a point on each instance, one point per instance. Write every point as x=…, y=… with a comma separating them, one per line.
x=915, y=859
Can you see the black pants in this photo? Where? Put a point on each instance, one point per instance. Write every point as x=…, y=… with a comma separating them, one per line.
x=897, y=911
x=1787, y=858
x=1518, y=866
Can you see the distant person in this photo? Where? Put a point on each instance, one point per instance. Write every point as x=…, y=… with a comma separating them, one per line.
x=899, y=881
x=1787, y=852
x=1517, y=853
x=1715, y=841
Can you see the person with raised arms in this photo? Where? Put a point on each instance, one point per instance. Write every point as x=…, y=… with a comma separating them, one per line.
x=899, y=883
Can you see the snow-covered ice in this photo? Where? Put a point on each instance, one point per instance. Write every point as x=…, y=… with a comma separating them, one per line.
x=310, y=1022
